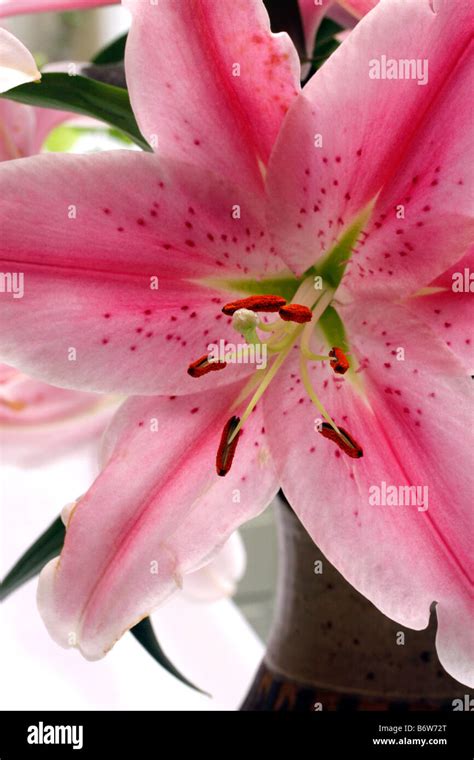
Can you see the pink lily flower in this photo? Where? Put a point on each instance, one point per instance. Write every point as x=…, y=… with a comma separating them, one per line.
x=354, y=157
x=39, y=422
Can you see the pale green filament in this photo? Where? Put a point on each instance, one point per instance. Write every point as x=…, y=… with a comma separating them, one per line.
x=318, y=303
x=266, y=381
x=312, y=395
x=314, y=357
x=272, y=327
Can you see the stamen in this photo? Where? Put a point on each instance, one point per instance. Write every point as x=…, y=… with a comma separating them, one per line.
x=203, y=366
x=15, y=406
x=342, y=439
x=255, y=303
x=339, y=361
x=227, y=446
x=295, y=312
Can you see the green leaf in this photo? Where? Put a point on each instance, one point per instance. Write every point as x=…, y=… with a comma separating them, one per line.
x=333, y=328
x=84, y=96
x=145, y=634
x=327, y=30
x=285, y=286
x=325, y=44
x=48, y=545
x=333, y=266
x=113, y=53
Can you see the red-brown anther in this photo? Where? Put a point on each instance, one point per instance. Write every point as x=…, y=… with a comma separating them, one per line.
x=226, y=450
x=347, y=443
x=339, y=362
x=202, y=366
x=255, y=303
x=294, y=312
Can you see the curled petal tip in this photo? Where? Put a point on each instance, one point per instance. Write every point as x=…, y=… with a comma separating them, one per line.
x=17, y=65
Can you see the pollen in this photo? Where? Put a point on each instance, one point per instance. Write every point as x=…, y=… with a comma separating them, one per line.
x=339, y=361
x=342, y=439
x=255, y=303
x=203, y=366
x=294, y=312
x=227, y=447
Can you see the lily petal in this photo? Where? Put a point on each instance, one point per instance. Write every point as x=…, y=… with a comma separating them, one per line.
x=17, y=65
x=16, y=7
x=423, y=220
x=348, y=135
x=142, y=535
x=409, y=418
x=219, y=577
x=209, y=82
x=110, y=264
x=447, y=308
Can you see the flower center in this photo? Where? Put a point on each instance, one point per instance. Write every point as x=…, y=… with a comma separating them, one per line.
x=294, y=324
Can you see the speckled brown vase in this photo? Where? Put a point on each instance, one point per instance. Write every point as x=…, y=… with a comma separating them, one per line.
x=331, y=649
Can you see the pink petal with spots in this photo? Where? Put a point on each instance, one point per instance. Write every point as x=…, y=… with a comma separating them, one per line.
x=16, y=7
x=110, y=258
x=450, y=311
x=210, y=82
x=176, y=514
x=423, y=220
x=373, y=133
x=411, y=419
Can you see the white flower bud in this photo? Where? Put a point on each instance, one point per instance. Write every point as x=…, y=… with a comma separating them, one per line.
x=244, y=320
